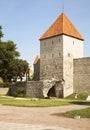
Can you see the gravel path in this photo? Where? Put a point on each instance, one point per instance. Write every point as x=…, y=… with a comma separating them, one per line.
x=31, y=118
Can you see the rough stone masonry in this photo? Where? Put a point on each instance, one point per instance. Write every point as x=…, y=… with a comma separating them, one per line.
x=61, y=69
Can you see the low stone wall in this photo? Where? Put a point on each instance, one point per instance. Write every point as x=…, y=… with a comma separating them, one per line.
x=59, y=89
x=82, y=75
x=13, y=90
x=34, y=89
x=43, y=89
x=38, y=89
x=3, y=91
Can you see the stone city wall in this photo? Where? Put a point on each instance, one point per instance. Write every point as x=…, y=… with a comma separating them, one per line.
x=82, y=75
x=34, y=89
x=44, y=89
x=13, y=90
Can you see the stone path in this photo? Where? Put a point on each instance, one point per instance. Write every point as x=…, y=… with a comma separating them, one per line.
x=15, y=126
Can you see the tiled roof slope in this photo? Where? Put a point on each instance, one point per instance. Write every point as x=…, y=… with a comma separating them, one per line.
x=62, y=25
x=36, y=60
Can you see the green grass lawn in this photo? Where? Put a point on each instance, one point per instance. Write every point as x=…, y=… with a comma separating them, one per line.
x=26, y=102
x=81, y=96
x=83, y=113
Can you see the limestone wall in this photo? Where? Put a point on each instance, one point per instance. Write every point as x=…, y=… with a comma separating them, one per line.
x=72, y=48
x=82, y=75
x=34, y=89
x=41, y=89
x=14, y=88
x=51, y=57
x=59, y=89
x=56, y=59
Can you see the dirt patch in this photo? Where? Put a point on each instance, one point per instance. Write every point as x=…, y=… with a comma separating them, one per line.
x=44, y=116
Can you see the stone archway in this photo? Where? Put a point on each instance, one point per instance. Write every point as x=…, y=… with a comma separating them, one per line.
x=51, y=92
x=52, y=88
x=47, y=85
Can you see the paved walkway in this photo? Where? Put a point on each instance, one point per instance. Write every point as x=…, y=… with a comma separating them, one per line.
x=15, y=126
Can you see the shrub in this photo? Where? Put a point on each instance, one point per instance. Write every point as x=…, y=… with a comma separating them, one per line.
x=5, y=85
x=20, y=92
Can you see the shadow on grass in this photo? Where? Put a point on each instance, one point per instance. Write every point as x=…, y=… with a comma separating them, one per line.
x=87, y=103
x=58, y=114
x=47, y=129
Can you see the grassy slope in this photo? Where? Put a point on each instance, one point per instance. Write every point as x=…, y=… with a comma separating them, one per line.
x=81, y=96
x=83, y=113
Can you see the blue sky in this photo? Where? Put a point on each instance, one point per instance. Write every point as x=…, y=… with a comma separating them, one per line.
x=24, y=21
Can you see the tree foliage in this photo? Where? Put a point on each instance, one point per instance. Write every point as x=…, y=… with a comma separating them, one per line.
x=19, y=68
x=10, y=65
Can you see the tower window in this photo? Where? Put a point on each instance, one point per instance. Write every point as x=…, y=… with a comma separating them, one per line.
x=59, y=40
x=73, y=42
x=45, y=56
x=52, y=42
x=59, y=54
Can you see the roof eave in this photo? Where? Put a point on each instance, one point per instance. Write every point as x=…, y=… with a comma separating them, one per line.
x=61, y=34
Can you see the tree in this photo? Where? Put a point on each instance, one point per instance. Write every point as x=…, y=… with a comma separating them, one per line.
x=19, y=68
x=1, y=34
x=7, y=54
x=10, y=65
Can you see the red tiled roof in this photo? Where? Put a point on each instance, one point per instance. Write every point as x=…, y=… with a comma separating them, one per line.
x=36, y=60
x=62, y=25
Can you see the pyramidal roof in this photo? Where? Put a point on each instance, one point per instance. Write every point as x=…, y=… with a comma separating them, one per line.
x=62, y=25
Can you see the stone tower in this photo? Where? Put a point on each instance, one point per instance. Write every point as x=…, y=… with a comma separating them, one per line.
x=59, y=45
x=37, y=68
